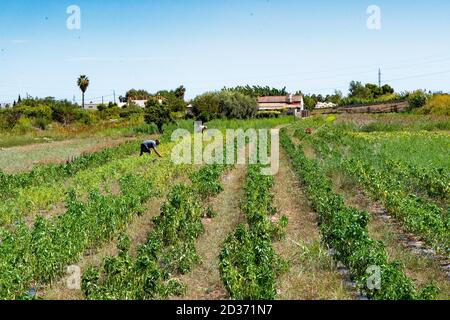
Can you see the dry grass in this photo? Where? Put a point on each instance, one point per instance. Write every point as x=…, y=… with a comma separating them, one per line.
x=204, y=281
x=24, y=158
x=312, y=273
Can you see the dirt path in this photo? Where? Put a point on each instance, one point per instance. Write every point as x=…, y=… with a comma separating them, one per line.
x=419, y=266
x=312, y=273
x=24, y=158
x=204, y=282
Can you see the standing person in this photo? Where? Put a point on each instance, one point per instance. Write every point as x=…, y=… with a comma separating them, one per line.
x=149, y=145
x=202, y=128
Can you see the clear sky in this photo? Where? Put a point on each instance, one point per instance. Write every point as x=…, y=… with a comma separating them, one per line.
x=313, y=46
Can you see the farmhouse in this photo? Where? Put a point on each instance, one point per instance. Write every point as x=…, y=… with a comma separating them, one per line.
x=290, y=104
x=94, y=106
x=280, y=103
x=91, y=106
x=140, y=103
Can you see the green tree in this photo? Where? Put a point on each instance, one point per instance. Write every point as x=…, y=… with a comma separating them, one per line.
x=310, y=102
x=375, y=91
x=230, y=104
x=257, y=91
x=387, y=89
x=357, y=90
x=336, y=97
x=158, y=114
x=235, y=105
x=180, y=92
x=172, y=99
x=207, y=104
x=83, y=84
x=137, y=95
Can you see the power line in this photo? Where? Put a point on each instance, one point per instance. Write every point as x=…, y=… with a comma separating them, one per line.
x=413, y=64
x=387, y=81
x=420, y=76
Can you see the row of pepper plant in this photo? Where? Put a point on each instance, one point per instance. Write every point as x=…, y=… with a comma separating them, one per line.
x=418, y=215
x=345, y=230
x=38, y=255
x=430, y=181
x=170, y=249
x=248, y=263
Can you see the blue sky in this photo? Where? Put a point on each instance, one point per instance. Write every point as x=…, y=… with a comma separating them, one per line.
x=313, y=46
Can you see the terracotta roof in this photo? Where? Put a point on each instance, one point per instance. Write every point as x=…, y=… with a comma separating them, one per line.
x=280, y=99
x=278, y=105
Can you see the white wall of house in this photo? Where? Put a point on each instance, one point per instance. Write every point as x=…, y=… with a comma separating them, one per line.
x=323, y=105
x=91, y=106
x=140, y=103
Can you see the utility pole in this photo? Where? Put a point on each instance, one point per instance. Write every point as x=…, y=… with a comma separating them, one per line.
x=114, y=92
x=379, y=77
x=102, y=100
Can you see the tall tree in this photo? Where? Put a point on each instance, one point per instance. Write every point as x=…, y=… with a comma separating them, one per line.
x=137, y=95
x=357, y=90
x=180, y=92
x=83, y=84
x=157, y=114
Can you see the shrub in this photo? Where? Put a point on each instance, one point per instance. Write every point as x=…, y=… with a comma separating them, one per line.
x=41, y=123
x=207, y=116
x=85, y=117
x=437, y=105
x=146, y=128
x=40, y=111
x=111, y=112
x=131, y=111
x=416, y=100
x=268, y=114
x=64, y=114
x=10, y=118
x=23, y=125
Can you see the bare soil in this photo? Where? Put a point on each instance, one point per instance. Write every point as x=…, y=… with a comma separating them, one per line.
x=312, y=273
x=204, y=281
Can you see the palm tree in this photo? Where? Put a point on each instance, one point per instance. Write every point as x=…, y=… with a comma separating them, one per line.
x=83, y=84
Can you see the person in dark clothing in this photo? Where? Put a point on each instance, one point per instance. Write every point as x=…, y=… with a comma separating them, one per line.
x=149, y=145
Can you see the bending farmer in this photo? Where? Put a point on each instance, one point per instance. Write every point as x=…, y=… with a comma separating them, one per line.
x=148, y=146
